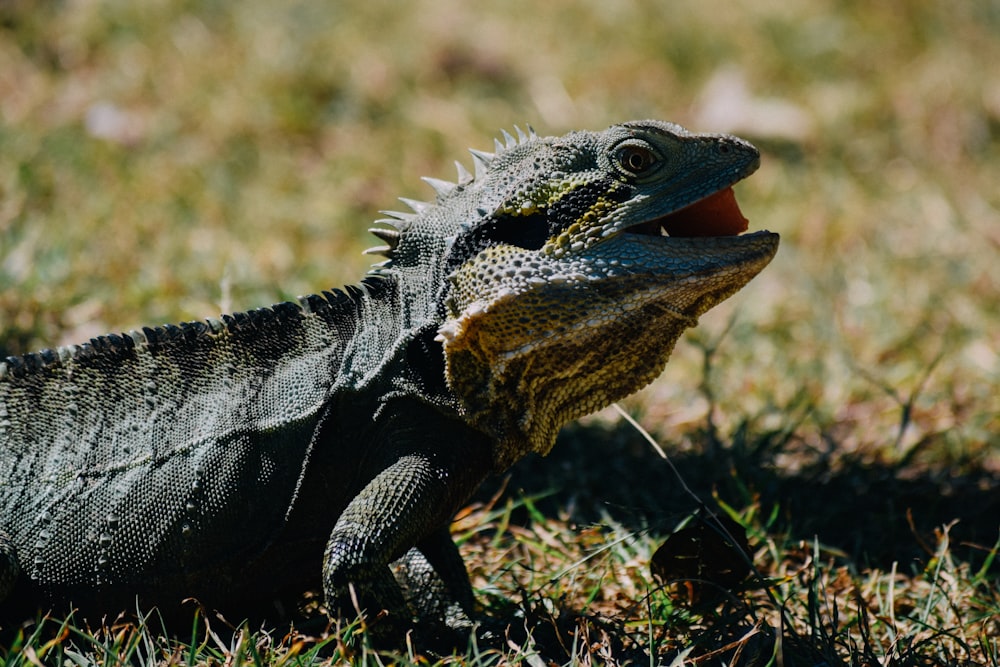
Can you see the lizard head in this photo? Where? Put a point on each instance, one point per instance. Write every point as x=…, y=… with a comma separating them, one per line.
x=577, y=263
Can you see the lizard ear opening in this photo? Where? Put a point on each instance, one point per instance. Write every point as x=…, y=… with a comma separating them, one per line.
x=529, y=232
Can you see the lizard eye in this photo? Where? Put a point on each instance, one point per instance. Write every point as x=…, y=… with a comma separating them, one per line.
x=635, y=159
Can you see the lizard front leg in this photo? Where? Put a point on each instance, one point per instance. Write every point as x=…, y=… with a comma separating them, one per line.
x=435, y=582
x=407, y=504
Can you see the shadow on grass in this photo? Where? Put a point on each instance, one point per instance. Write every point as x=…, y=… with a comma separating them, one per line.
x=876, y=514
x=873, y=515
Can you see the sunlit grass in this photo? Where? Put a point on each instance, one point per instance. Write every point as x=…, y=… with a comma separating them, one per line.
x=166, y=161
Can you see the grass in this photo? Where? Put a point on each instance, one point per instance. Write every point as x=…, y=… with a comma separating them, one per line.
x=164, y=161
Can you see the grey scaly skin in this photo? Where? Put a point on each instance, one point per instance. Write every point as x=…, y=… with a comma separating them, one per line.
x=328, y=442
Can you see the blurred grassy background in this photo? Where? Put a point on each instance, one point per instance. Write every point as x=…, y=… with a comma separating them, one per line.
x=169, y=160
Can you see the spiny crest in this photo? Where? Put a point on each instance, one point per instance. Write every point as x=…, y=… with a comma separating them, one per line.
x=391, y=238
x=399, y=221
x=481, y=160
x=336, y=307
x=442, y=188
x=463, y=174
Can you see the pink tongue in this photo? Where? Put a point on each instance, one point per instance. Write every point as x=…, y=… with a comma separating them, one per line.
x=718, y=215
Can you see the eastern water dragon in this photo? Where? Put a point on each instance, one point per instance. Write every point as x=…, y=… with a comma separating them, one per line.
x=327, y=442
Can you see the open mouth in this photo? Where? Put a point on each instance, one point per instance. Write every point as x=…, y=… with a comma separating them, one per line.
x=715, y=215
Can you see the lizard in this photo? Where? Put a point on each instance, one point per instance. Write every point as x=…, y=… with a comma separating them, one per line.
x=326, y=443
